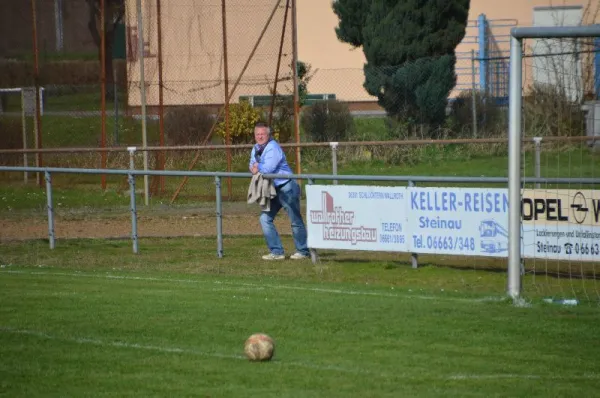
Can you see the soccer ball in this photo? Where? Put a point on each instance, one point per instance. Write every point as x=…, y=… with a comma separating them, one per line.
x=259, y=347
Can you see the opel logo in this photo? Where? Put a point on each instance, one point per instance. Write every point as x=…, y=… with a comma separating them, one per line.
x=579, y=207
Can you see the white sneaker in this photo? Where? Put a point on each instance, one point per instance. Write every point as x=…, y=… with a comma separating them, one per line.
x=272, y=256
x=299, y=256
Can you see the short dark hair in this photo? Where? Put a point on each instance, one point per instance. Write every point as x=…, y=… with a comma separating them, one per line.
x=263, y=125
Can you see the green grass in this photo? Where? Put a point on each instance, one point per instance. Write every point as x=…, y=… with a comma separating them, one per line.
x=86, y=101
x=59, y=131
x=86, y=98
x=83, y=132
x=369, y=129
x=31, y=198
x=172, y=321
x=450, y=274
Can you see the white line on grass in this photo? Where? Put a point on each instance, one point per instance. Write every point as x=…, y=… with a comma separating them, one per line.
x=263, y=286
x=118, y=344
x=170, y=350
x=585, y=376
x=362, y=370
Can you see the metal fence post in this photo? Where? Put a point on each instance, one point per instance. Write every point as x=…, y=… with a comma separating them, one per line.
x=134, y=235
x=538, y=159
x=314, y=256
x=131, y=179
x=24, y=130
x=334, y=146
x=131, y=150
x=219, y=217
x=50, y=209
x=414, y=257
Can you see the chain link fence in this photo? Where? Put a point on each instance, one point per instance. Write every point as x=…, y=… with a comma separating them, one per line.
x=210, y=69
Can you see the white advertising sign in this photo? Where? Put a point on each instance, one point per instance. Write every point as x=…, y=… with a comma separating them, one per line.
x=356, y=217
x=561, y=224
x=556, y=224
x=462, y=221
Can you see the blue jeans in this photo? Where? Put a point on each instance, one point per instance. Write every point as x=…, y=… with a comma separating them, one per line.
x=288, y=197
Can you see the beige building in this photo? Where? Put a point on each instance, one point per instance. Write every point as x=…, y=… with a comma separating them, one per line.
x=193, y=56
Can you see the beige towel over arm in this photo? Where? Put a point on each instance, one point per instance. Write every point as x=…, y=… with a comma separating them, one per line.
x=261, y=190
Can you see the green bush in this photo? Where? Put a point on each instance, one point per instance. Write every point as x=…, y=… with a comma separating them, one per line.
x=548, y=111
x=491, y=118
x=11, y=137
x=397, y=129
x=242, y=118
x=188, y=125
x=328, y=121
x=283, y=120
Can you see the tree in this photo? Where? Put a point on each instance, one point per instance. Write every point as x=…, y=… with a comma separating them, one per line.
x=114, y=10
x=304, y=77
x=410, y=47
x=353, y=16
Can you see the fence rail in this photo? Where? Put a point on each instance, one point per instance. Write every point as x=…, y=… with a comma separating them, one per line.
x=311, y=178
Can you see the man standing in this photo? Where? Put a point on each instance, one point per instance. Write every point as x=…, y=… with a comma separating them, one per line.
x=267, y=157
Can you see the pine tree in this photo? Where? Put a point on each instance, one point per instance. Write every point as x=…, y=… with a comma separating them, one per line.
x=352, y=15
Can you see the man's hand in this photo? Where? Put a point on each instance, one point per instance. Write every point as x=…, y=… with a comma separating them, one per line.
x=254, y=168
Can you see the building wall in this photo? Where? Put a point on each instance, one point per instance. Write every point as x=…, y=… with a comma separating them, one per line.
x=193, y=56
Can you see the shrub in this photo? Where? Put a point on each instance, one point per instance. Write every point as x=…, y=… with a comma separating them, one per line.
x=242, y=118
x=327, y=121
x=11, y=137
x=547, y=111
x=188, y=125
x=283, y=120
x=491, y=118
x=397, y=129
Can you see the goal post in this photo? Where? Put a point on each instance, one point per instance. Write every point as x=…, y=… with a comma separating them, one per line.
x=515, y=135
x=26, y=97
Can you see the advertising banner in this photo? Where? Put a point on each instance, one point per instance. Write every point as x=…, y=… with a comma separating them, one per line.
x=556, y=224
x=463, y=221
x=356, y=217
x=561, y=224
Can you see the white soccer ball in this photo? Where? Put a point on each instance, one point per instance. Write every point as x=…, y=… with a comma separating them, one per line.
x=259, y=347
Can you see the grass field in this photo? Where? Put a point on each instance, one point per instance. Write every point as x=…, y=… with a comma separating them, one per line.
x=122, y=329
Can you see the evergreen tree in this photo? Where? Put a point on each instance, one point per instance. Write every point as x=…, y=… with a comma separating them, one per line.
x=353, y=16
x=409, y=46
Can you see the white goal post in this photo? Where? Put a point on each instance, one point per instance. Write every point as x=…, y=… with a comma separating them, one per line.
x=515, y=134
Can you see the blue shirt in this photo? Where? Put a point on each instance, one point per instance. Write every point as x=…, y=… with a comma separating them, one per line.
x=272, y=161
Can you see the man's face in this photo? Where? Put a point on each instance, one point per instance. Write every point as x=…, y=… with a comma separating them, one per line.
x=261, y=135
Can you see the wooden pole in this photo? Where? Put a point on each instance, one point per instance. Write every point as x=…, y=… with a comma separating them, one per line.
x=226, y=75
x=38, y=115
x=161, y=110
x=283, y=29
x=296, y=91
x=103, y=90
